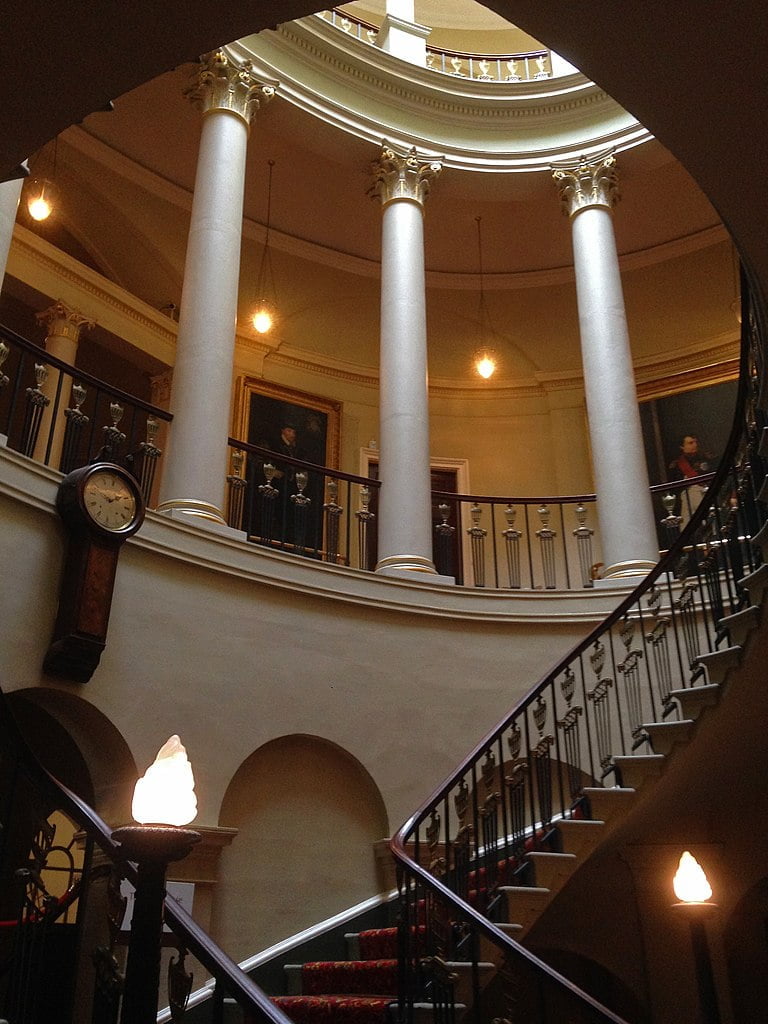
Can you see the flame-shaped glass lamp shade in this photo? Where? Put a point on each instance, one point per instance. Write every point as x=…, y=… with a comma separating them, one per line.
x=690, y=882
x=165, y=795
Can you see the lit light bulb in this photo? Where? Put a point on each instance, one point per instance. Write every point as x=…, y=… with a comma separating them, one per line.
x=690, y=882
x=485, y=366
x=263, y=320
x=39, y=204
x=165, y=795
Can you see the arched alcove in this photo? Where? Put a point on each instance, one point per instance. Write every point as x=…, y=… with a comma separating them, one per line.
x=308, y=816
x=80, y=746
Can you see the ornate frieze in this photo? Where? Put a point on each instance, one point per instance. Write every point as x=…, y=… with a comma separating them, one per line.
x=403, y=177
x=225, y=84
x=588, y=184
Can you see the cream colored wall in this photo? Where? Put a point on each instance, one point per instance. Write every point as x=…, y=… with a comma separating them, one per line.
x=234, y=648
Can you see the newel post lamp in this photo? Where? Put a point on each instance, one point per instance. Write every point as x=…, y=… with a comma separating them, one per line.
x=163, y=802
x=694, y=894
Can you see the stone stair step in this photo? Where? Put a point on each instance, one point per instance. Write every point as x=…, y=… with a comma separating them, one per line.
x=608, y=802
x=524, y=902
x=755, y=583
x=666, y=735
x=740, y=624
x=636, y=769
x=580, y=835
x=552, y=870
x=694, y=699
x=719, y=663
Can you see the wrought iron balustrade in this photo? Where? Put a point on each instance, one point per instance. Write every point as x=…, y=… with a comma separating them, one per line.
x=528, y=66
x=463, y=854
x=62, y=943
x=58, y=415
x=297, y=506
x=516, y=543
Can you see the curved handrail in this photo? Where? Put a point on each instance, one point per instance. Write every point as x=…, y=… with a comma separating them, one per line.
x=80, y=375
x=733, y=485
x=192, y=936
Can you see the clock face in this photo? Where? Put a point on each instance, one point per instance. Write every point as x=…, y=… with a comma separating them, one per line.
x=109, y=500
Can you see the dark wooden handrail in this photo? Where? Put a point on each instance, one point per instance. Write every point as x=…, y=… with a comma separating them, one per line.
x=72, y=371
x=267, y=455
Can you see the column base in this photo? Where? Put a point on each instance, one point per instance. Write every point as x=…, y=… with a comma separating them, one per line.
x=199, y=514
x=412, y=567
x=623, y=572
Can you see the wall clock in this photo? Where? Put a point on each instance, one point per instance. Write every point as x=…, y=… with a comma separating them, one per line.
x=101, y=506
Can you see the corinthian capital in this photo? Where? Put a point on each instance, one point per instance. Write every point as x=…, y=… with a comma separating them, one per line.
x=225, y=84
x=403, y=177
x=588, y=184
x=63, y=321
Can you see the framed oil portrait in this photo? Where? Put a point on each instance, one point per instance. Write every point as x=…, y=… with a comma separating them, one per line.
x=293, y=425
x=671, y=423
x=264, y=410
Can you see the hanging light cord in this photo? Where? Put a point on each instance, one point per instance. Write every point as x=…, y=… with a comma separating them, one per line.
x=266, y=256
x=483, y=311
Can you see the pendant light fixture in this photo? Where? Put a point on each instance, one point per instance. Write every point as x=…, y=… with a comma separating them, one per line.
x=484, y=358
x=265, y=313
x=41, y=192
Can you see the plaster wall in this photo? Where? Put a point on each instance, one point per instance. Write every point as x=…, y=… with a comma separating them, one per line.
x=234, y=648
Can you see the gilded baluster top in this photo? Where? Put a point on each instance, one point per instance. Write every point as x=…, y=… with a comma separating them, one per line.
x=222, y=83
x=403, y=177
x=588, y=183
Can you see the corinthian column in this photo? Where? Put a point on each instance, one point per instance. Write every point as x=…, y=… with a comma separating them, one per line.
x=405, y=518
x=194, y=476
x=628, y=535
x=64, y=325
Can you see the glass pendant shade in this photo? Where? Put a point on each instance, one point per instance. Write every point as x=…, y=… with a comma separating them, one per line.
x=40, y=199
x=484, y=359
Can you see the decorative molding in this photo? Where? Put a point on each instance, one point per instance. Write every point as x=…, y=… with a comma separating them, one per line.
x=63, y=321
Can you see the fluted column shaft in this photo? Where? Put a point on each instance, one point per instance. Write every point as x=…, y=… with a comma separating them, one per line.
x=405, y=519
x=195, y=470
x=627, y=529
x=10, y=191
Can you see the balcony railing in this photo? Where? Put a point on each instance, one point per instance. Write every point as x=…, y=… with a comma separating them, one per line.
x=65, y=418
x=530, y=66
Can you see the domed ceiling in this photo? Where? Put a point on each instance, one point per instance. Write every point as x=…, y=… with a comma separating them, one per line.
x=126, y=179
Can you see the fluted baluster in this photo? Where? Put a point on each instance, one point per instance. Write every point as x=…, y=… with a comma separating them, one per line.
x=599, y=698
x=546, y=537
x=4, y=353
x=583, y=535
x=630, y=669
x=671, y=522
x=145, y=461
x=512, y=544
x=659, y=641
x=445, y=533
x=113, y=436
x=268, y=494
x=37, y=401
x=236, y=484
x=477, y=537
x=332, y=512
x=364, y=518
x=301, y=503
x=75, y=420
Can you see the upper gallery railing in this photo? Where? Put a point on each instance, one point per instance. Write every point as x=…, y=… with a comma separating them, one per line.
x=532, y=66
x=462, y=856
x=507, y=543
x=65, y=418
x=62, y=944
